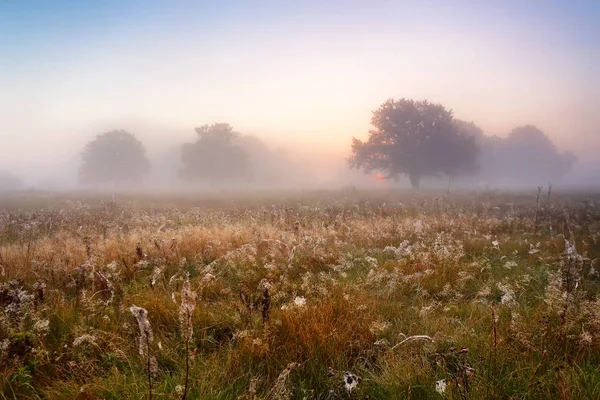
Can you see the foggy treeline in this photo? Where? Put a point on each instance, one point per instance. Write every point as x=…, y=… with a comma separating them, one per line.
x=526, y=156
x=217, y=156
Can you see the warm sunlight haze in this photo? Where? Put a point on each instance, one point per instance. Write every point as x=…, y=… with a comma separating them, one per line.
x=300, y=200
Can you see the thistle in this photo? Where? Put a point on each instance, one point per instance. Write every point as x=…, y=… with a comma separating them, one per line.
x=145, y=339
x=186, y=308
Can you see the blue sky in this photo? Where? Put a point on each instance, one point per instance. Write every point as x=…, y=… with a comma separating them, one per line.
x=302, y=74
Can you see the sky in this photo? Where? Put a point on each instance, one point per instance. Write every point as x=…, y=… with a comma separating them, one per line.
x=304, y=75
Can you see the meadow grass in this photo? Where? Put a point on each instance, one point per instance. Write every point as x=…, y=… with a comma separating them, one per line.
x=323, y=295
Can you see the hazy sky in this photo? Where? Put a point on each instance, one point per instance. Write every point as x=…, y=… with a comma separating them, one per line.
x=302, y=74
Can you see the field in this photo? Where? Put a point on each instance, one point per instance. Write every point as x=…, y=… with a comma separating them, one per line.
x=324, y=295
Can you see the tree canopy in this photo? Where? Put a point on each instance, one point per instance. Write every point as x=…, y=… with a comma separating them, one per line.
x=414, y=138
x=214, y=157
x=529, y=150
x=469, y=129
x=113, y=157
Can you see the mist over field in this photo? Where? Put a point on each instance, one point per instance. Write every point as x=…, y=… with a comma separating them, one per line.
x=278, y=200
x=297, y=82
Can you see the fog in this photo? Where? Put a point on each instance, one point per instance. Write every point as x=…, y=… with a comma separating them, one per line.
x=296, y=83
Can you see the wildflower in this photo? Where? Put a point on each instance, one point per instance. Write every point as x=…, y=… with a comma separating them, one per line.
x=146, y=335
x=299, y=301
x=440, y=386
x=188, y=303
x=17, y=302
x=112, y=267
x=179, y=389
x=156, y=273
x=508, y=294
x=570, y=249
x=186, y=308
x=351, y=381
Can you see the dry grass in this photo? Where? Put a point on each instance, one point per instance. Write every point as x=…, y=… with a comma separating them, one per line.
x=302, y=296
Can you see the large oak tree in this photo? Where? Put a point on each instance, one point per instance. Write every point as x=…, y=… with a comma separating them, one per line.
x=414, y=138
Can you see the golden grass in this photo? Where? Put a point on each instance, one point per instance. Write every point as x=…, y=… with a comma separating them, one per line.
x=348, y=278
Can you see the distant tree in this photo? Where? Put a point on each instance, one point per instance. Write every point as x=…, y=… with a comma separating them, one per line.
x=115, y=157
x=9, y=181
x=214, y=157
x=414, y=138
x=272, y=167
x=489, y=156
x=526, y=156
x=530, y=155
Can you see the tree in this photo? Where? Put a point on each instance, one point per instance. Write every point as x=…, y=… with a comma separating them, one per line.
x=215, y=157
x=414, y=138
x=530, y=156
x=113, y=157
x=526, y=156
x=489, y=157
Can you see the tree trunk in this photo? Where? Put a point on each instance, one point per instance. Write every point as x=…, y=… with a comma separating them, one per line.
x=415, y=181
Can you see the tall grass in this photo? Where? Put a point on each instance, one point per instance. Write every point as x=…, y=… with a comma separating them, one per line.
x=318, y=296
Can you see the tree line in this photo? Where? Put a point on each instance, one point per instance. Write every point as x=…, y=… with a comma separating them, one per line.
x=414, y=139
x=219, y=156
